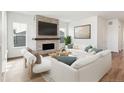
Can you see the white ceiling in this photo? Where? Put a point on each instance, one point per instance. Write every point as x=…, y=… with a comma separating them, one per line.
x=76, y=15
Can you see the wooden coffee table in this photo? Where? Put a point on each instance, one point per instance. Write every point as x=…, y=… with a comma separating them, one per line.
x=60, y=53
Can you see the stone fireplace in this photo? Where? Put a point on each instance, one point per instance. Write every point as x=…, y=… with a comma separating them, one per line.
x=46, y=44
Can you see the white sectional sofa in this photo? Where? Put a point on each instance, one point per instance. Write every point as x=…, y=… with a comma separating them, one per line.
x=87, y=68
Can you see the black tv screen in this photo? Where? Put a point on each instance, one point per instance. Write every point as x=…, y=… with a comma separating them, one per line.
x=45, y=28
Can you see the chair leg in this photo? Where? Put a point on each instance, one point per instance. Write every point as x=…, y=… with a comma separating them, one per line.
x=25, y=63
x=31, y=74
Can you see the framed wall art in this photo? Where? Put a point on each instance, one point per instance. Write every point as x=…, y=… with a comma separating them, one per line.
x=82, y=32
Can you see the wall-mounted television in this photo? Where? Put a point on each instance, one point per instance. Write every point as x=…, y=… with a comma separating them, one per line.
x=48, y=29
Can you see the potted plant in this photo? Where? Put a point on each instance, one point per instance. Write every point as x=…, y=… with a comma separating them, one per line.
x=67, y=41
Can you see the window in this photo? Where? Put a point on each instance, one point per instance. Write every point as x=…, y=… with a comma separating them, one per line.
x=19, y=31
x=62, y=35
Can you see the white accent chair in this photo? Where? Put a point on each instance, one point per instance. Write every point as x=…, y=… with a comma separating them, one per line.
x=34, y=68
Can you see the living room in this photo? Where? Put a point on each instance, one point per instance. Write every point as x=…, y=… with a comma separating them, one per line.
x=88, y=36
x=101, y=27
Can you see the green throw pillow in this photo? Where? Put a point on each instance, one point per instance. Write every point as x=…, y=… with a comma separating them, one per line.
x=96, y=50
x=88, y=47
x=66, y=59
x=99, y=50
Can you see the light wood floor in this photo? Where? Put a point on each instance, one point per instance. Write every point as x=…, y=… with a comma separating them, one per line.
x=17, y=72
x=116, y=74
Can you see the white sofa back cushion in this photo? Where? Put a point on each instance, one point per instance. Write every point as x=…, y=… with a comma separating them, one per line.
x=78, y=53
x=103, y=53
x=84, y=61
x=89, y=59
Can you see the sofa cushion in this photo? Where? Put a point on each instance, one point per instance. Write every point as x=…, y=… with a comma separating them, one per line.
x=66, y=59
x=103, y=53
x=99, y=50
x=44, y=66
x=91, y=51
x=84, y=61
x=77, y=53
x=96, y=50
x=88, y=47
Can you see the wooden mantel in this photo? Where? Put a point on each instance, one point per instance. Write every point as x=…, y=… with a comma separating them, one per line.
x=45, y=38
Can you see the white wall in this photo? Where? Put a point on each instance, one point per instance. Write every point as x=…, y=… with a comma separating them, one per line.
x=0, y=27
x=83, y=42
x=120, y=35
x=27, y=19
x=123, y=35
x=102, y=33
x=114, y=35
x=4, y=41
x=98, y=32
x=0, y=44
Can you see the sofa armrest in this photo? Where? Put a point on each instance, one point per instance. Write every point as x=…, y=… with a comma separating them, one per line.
x=94, y=71
x=62, y=72
x=31, y=59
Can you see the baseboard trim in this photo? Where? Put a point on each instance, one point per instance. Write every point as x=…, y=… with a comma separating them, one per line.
x=2, y=76
x=14, y=58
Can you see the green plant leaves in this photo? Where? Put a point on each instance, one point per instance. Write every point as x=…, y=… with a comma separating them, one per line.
x=67, y=40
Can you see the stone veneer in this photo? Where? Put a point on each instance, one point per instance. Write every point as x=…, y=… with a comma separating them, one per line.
x=39, y=46
x=40, y=42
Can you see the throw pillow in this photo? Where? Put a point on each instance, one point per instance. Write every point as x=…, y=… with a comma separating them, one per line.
x=29, y=49
x=96, y=50
x=99, y=50
x=38, y=57
x=92, y=52
x=88, y=47
x=89, y=50
x=66, y=59
x=84, y=61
